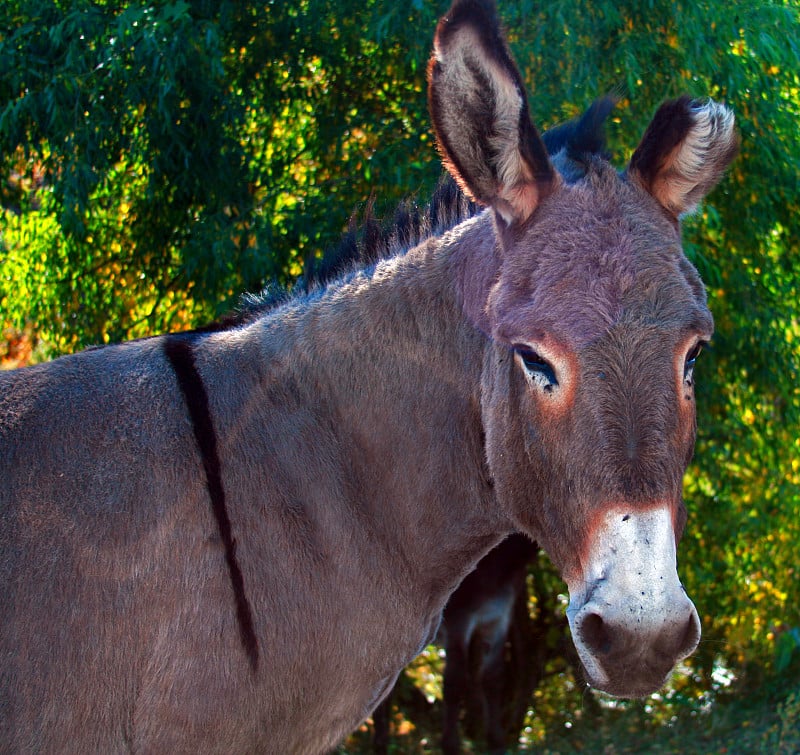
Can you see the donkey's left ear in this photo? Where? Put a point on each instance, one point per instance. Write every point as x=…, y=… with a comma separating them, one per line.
x=684, y=152
x=480, y=113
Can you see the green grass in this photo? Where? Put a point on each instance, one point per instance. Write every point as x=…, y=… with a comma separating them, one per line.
x=762, y=719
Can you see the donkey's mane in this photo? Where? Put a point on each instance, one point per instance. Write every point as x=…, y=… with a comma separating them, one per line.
x=372, y=241
x=574, y=145
x=366, y=241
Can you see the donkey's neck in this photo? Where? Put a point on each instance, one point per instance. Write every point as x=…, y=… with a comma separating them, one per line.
x=387, y=367
x=350, y=439
x=407, y=388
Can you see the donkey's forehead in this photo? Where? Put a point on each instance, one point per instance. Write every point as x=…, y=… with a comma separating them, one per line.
x=596, y=253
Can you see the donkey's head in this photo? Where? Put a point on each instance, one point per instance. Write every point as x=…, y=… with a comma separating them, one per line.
x=596, y=318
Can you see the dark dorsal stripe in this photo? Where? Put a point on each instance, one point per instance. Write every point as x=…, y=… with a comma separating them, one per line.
x=179, y=352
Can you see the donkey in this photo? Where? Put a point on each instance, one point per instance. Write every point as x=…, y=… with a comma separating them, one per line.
x=475, y=627
x=233, y=541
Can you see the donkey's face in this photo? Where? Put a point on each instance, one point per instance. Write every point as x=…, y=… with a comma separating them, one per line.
x=596, y=318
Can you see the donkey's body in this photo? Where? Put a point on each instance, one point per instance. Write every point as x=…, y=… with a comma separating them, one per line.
x=233, y=541
x=114, y=572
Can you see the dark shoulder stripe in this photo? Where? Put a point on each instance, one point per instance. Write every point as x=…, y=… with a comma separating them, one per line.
x=178, y=350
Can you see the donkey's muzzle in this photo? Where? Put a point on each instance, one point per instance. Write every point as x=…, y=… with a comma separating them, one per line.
x=633, y=658
x=630, y=617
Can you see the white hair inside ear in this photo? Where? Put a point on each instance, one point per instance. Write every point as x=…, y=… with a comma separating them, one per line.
x=703, y=141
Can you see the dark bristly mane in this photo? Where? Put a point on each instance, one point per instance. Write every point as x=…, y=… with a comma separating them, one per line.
x=373, y=240
x=369, y=240
x=365, y=243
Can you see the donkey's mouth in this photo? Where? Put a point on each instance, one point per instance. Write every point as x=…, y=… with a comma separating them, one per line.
x=634, y=681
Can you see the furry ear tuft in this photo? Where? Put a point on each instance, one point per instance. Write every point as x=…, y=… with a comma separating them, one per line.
x=684, y=152
x=480, y=114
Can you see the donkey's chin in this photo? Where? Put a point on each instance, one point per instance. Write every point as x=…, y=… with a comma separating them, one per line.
x=632, y=680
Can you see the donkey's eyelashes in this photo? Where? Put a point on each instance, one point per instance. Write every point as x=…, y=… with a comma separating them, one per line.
x=691, y=358
x=694, y=352
x=538, y=368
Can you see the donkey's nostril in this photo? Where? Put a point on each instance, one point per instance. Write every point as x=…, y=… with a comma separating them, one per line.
x=691, y=636
x=594, y=633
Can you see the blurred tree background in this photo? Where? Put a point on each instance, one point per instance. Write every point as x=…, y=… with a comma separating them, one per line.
x=158, y=159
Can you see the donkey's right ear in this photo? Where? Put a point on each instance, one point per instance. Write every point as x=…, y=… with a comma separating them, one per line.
x=480, y=113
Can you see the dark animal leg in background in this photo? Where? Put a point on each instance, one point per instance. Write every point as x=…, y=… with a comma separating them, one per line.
x=493, y=697
x=456, y=683
x=380, y=726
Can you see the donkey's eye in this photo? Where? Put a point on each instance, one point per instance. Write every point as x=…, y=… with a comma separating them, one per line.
x=691, y=358
x=539, y=369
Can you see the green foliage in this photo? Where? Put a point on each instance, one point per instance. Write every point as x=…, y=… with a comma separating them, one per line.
x=158, y=160
x=766, y=722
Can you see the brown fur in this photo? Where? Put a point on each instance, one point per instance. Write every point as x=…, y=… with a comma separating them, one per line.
x=374, y=440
